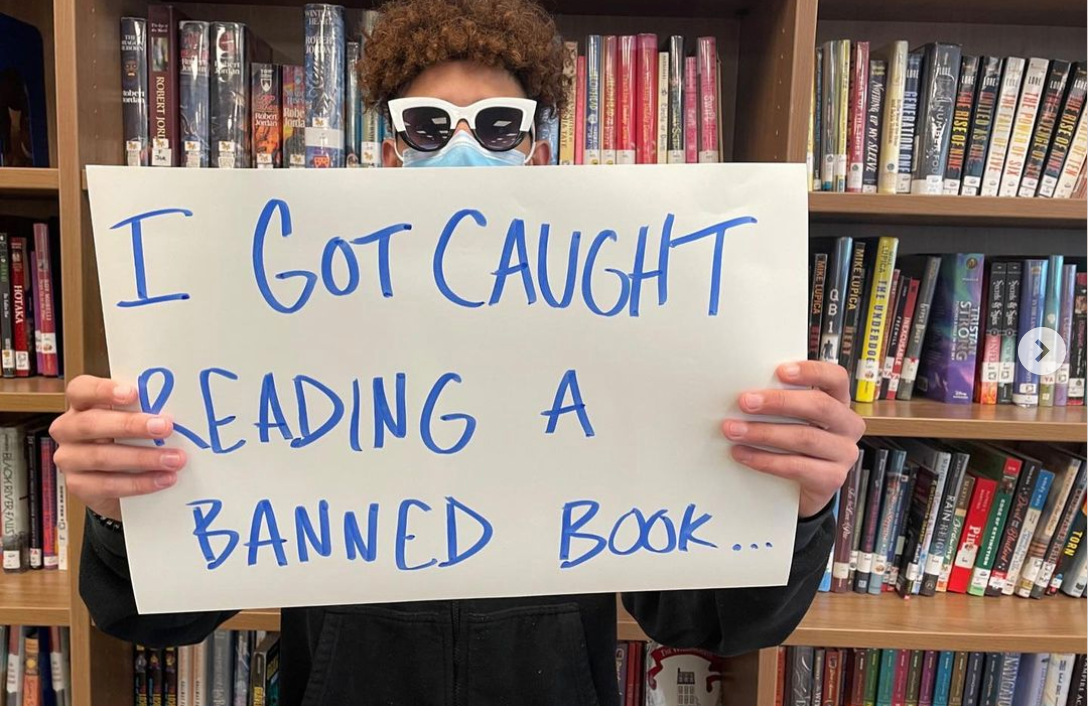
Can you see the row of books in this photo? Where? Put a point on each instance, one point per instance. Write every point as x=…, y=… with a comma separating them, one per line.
x=650, y=674
x=949, y=325
x=33, y=498
x=937, y=121
x=30, y=310
x=921, y=517
x=819, y=676
x=230, y=668
x=629, y=103
x=34, y=666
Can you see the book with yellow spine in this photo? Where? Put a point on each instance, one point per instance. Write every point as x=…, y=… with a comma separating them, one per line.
x=868, y=370
x=895, y=55
x=843, y=128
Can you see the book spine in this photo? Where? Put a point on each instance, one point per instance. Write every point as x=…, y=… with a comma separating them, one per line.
x=842, y=129
x=34, y=311
x=293, y=79
x=817, y=696
x=267, y=128
x=959, y=678
x=871, y=148
x=163, y=85
x=44, y=452
x=959, y=520
x=1065, y=332
x=1057, y=540
x=580, y=91
x=919, y=502
x=47, y=339
x=1006, y=688
x=62, y=516
x=938, y=97
x=833, y=677
x=200, y=676
x=1073, y=541
x=982, y=123
x=594, y=117
x=608, y=117
x=353, y=132
x=626, y=141
x=868, y=370
x=900, y=352
x=193, y=93
x=885, y=541
x=691, y=110
x=990, y=366
x=1078, y=351
x=974, y=524
x=960, y=128
x=1064, y=482
x=21, y=329
x=1020, y=138
x=859, y=114
x=1032, y=677
x=707, y=55
x=871, y=522
x=942, y=682
x=154, y=677
x=1051, y=315
x=676, y=100
x=662, y=107
x=914, y=677
x=810, y=143
x=229, y=95
x=892, y=125
x=243, y=652
x=1043, y=483
x=372, y=120
x=905, y=168
x=831, y=331
x=1063, y=132
x=929, y=556
x=6, y=331
x=819, y=98
x=852, y=307
x=185, y=675
x=929, y=677
x=222, y=659
x=1058, y=678
x=646, y=148
x=831, y=65
x=567, y=117
x=908, y=479
x=1074, y=161
x=324, y=61
x=135, y=119
x=942, y=532
x=1049, y=106
x=900, y=677
x=948, y=364
x=170, y=676
x=816, y=304
x=1031, y=311
x=919, y=326
x=845, y=529
x=1014, y=525
x=995, y=524
x=34, y=503
x=1006, y=374
x=1004, y=116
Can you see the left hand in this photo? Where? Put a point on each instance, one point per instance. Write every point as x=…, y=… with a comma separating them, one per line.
x=819, y=454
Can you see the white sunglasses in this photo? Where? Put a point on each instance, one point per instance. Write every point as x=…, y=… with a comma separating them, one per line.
x=427, y=124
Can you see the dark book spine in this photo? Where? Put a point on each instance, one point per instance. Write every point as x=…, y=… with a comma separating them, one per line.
x=352, y=106
x=139, y=675
x=942, y=531
x=859, y=513
x=982, y=120
x=919, y=326
x=937, y=97
x=154, y=677
x=929, y=676
x=893, y=335
x=1021, y=500
x=816, y=308
x=324, y=61
x=163, y=84
x=845, y=528
x=910, y=117
x=193, y=92
x=676, y=100
x=852, y=308
x=7, y=340
x=1077, y=689
x=34, y=488
x=914, y=677
x=1056, y=80
x=960, y=129
x=818, y=121
x=877, y=81
x=294, y=117
x=991, y=680
x=972, y=680
x=267, y=116
x=871, y=521
x=170, y=676
x=908, y=478
x=918, y=504
x=801, y=676
x=1057, y=540
x=818, y=676
x=229, y=96
x=834, y=293
x=134, y=106
x=1078, y=346
x=1069, y=552
x=1009, y=340
x=1063, y=132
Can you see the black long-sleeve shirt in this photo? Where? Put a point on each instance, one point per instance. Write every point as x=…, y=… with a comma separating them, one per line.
x=534, y=651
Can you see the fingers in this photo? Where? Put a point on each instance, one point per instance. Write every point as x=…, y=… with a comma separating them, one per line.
x=816, y=475
x=87, y=391
x=814, y=406
x=828, y=377
x=96, y=488
x=794, y=438
x=98, y=423
x=76, y=459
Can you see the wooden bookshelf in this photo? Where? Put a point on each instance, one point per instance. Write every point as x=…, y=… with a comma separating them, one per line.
x=1056, y=13
x=25, y=181
x=35, y=394
x=926, y=418
x=35, y=598
x=947, y=210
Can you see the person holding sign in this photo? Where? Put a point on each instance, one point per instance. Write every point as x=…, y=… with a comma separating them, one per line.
x=464, y=82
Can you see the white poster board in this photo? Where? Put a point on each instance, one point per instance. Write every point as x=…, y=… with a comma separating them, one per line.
x=271, y=313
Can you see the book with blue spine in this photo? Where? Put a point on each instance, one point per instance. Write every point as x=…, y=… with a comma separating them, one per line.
x=947, y=371
x=825, y=582
x=1006, y=687
x=942, y=683
x=370, y=146
x=908, y=476
x=324, y=63
x=1029, y=686
x=593, y=99
x=1051, y=314
x=895, y=487
x=193, y=93
x=1033, y=278
x=910, y=117
x=548, y=133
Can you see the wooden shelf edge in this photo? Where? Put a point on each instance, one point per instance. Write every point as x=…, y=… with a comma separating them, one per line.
x=948, y=210
x=34, y=394
x=38, y=598
x=42, y=181
x=926, y=418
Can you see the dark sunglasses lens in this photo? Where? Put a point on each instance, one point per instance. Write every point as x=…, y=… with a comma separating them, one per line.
x=427, y=128
x=499, y=128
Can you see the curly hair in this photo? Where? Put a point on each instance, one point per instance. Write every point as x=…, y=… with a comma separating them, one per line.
x=413, y=35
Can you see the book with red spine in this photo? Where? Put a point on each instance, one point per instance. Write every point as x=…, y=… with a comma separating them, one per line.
x=909, y=306
x=896, y=301
x=634, y=674
x=707, y=55
x=859, y=110
x=691, y=109
x=580, y=111
x=646, y=99
x=50, y=559
x=988, y=373
x=1056, y=80
x=34, y=311
x=32, y=669
x=833, y=669
x=959, y=579
x=627, y=124
x=609, y=65
x=902, y=671
x=21, y=332
x=48, y=363
x=780, y=676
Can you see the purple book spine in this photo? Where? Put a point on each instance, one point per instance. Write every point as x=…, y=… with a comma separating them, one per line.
x=948, y=372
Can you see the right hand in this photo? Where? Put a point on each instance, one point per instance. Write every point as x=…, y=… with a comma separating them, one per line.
x=98, y=470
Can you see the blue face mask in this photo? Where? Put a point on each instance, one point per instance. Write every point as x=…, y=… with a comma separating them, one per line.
x=463, y=151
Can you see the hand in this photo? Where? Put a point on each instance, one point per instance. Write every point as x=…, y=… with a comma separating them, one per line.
x=98, y=470
x=818, y=455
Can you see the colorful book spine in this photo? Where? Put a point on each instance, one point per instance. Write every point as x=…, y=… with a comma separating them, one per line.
x=919, y=326
x=868, y=371
x=960, y=128
x=594, y=116
x=942, y=681
x=1014, y=527
x=1065, y=480
x=135, y=119
x=608, y=106
x=1066, y=126
x=662, y=107
x=691, y=110
x=937, y=103
x=990, y=366
x=1078, y=350
x=1009, y=334
x=293, y=79
x=905, y=166
x=676, y=100
x=898, y=356
x=21, y=329
x=162, y=22
x=943, y=529
x=267, y=116
x=1074, y=161
x=895, y=56
x=885, y=689
x=874, y=110
x=1065, y=332
x=1056, y=80
x=646, y=147
x=1057, y=541
x=44, y=450
x=324, y=62
x=1073, y=541
x=1051, y=315
x=959, y=579
x=1004, y=116
x=1005, y=470
x=959, y=520
x=580, y=111
x=842, y=130
x=1023, y=124
x=194, y=105
x=707, y=56
x=982, y=122
x=567, y=117
x=830, y=66
x=46, y=339
x=229, y=92
x=1043, y=483
x=859, y=114
x=627, y=128
x=353, y=109
x=948, y=364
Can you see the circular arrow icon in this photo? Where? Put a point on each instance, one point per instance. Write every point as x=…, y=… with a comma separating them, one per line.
x=1042, y=351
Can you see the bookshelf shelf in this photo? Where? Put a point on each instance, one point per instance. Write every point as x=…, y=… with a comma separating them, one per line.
x=948, y=210
x=1054, y=13
x=25, y=181
x=255, y=619
x=35, y=598
x=926, y=418
x=947, y=622
x=36, y=394
x=629, y=8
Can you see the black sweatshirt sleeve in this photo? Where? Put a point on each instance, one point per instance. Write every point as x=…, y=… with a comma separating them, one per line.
x=106, y=588
x=731, y=621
